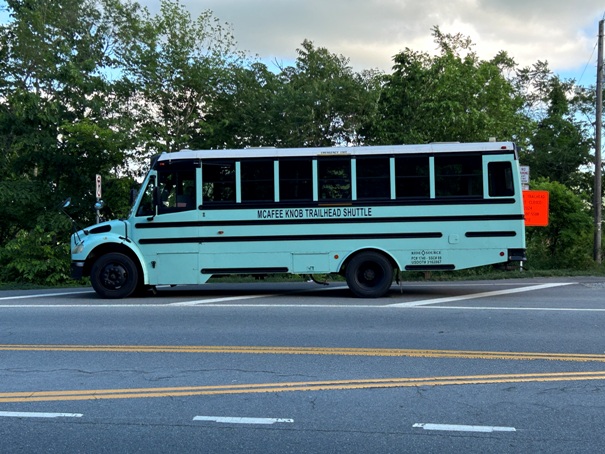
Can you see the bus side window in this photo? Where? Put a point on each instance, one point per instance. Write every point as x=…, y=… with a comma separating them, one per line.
x=177, y=191
x=295, y=180
x=500, y=177
x=412, y=177
x=258, y=180
x=218, y=181
x=458, y=176
x=373, y=178
x=334, y=178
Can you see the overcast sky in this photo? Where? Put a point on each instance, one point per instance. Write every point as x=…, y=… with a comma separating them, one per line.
x=370, y=32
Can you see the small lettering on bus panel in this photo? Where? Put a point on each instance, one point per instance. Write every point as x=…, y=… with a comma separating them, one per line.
x=427, y=257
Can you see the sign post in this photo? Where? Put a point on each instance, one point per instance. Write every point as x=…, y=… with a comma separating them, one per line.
x=98, y=194
x=524, y=177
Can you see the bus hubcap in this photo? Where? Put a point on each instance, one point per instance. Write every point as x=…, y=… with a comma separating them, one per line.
x=369, y=275
x=114, y=276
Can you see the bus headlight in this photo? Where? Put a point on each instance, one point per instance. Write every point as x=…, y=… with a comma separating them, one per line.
x=78, y=249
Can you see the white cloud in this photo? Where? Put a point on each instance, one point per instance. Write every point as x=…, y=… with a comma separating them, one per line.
x=370, y=32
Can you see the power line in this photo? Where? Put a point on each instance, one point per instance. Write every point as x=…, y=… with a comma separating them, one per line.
x=590, y=59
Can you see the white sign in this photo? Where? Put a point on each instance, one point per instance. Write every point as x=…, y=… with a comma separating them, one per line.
x=524, y=174
x=98, y=190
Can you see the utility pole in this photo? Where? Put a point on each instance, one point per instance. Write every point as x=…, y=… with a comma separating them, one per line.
x=597, y=155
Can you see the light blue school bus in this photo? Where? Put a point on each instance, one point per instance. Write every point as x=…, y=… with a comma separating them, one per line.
x=360, y=212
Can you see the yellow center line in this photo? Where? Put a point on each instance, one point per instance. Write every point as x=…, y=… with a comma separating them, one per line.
x=329, y=385
x=37, y=396
x=260, y=350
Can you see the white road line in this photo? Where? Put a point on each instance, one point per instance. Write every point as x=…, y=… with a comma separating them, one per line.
x=480, y=295
x=308, y=306
x=43, y=295
x=15, y=414
x=362, y=306
x=78, y=306
x=209, y=301
x=487, y=308
x=240, y=420
x=220, y=300
x=463, y=428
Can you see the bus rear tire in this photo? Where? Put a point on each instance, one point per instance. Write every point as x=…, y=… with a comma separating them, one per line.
x=114, y=275
x=369, y=275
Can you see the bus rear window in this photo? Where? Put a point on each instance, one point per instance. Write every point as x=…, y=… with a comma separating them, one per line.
x=500, y=177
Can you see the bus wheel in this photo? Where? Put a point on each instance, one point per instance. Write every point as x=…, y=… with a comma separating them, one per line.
x=369, y=275
x=114, y=275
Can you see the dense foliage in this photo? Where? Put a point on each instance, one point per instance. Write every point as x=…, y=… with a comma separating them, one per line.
x=567, y=240
x=97, y=86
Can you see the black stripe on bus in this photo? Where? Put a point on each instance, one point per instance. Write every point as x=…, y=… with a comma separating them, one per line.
x=430, y=267
x=239, y=239
x=490, y=234
x=244, y=270
x=306, y=221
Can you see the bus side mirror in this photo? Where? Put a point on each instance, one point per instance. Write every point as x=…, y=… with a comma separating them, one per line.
x=156, y=197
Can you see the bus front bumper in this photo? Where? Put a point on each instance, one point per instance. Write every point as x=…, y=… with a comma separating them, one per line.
x=77, y=270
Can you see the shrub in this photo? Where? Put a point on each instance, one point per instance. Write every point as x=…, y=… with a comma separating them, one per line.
x=567, y=240
x=36, y=257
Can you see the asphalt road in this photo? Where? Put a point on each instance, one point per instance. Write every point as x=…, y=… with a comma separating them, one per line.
x=498, y=366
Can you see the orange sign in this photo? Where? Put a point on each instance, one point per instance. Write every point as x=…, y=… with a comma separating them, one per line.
x=535, y=205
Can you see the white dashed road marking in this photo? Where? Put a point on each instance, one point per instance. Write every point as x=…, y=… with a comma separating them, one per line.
x=240, y=420
x=26, y=414
x=463, y=428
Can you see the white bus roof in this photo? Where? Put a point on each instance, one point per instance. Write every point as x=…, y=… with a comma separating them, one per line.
x=339, y=151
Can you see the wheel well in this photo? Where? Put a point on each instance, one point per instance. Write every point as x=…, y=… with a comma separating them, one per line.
x=388, y=256
x=103, y=249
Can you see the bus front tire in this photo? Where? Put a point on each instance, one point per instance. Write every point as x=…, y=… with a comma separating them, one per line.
x=114, y=276
x=369, y=275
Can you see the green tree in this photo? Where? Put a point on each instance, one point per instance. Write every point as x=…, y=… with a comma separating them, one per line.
x=559, y=149
x=323, y=102
x=58, y=125
x=57, y=122
x=174, y=65
x=453, y=96
x=243, y=112
x=320, y=101
x=567, y=240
